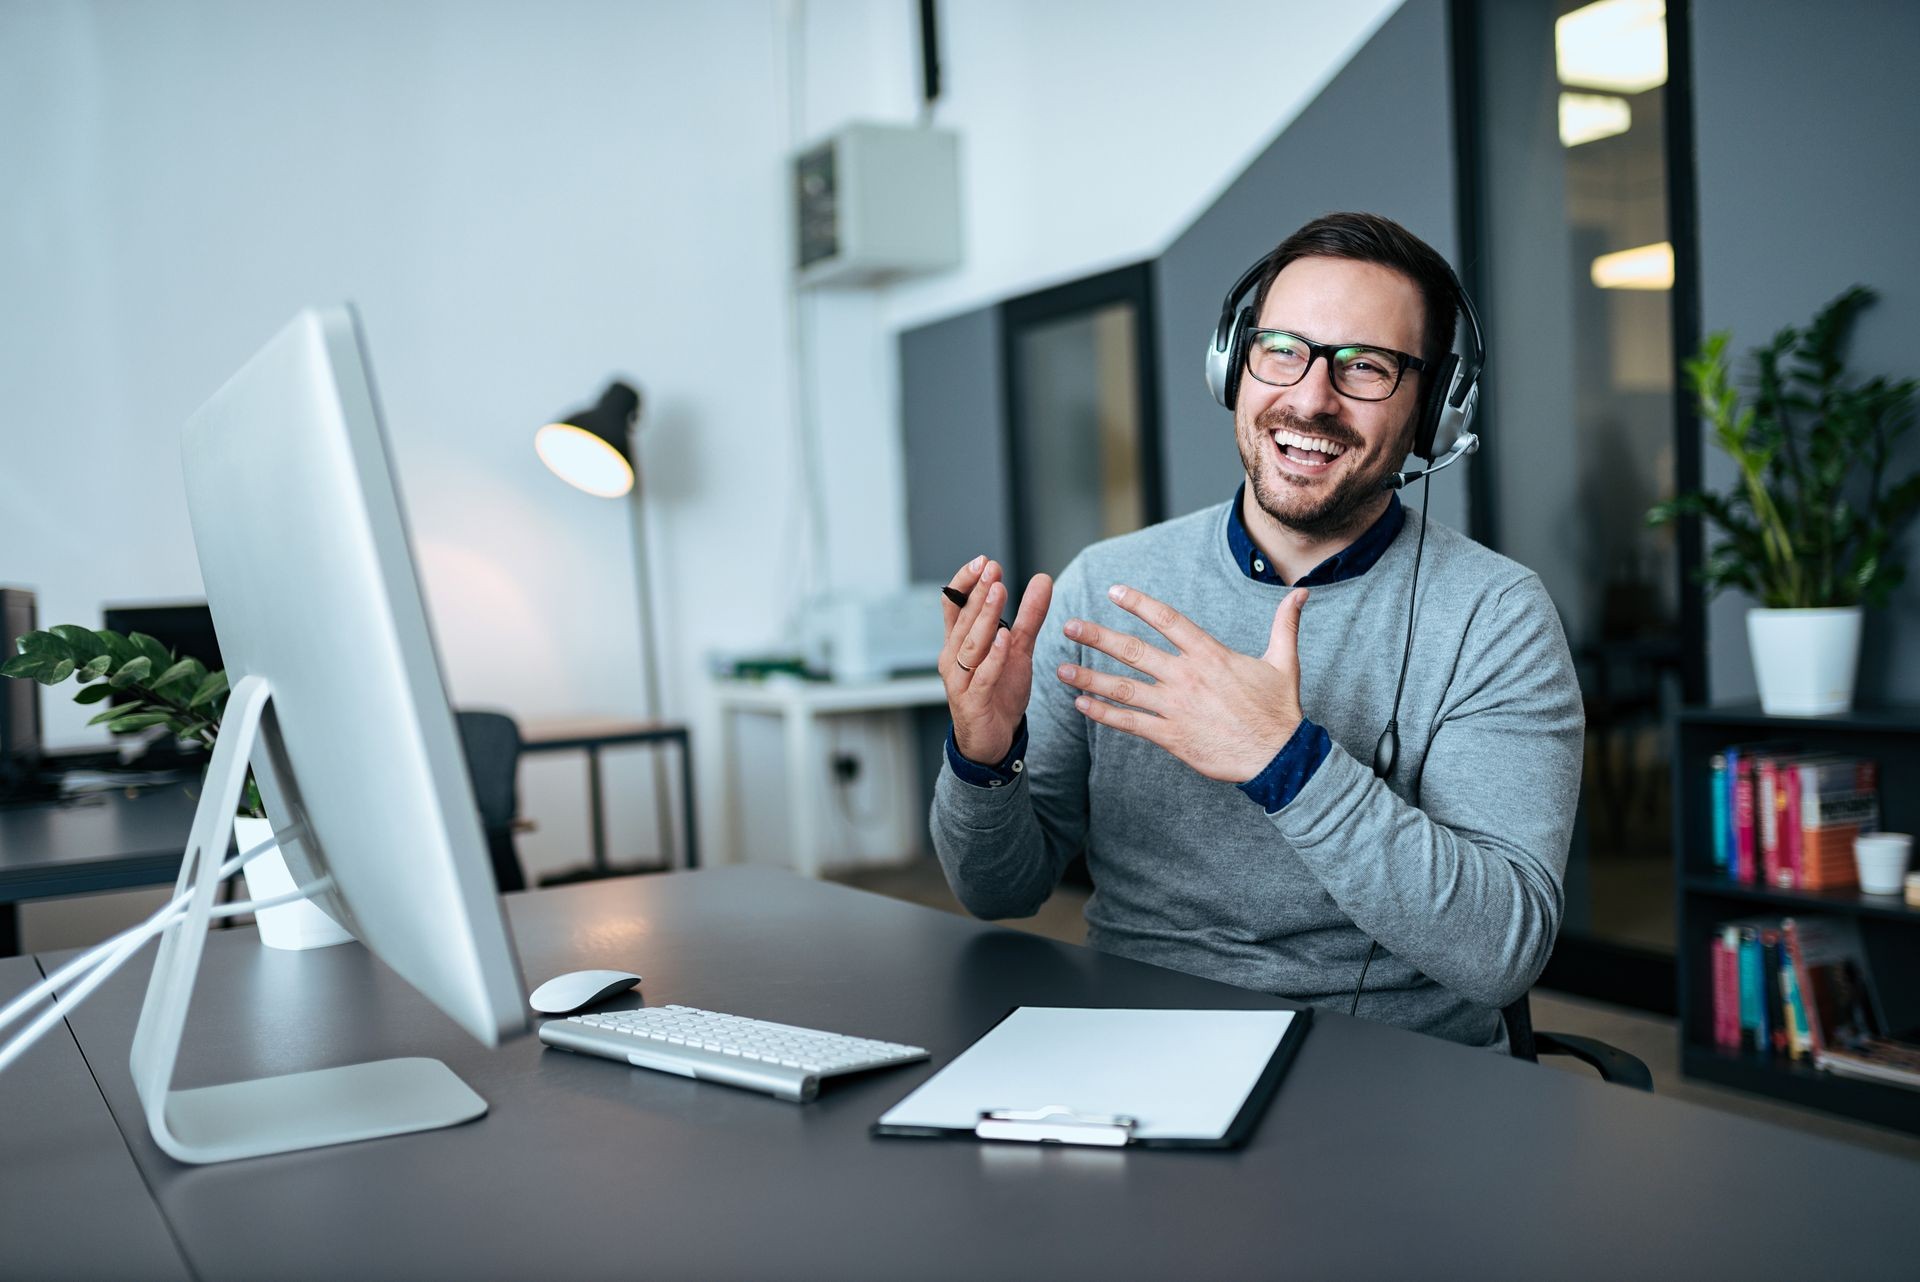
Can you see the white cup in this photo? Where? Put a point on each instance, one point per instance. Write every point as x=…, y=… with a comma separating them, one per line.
x=1882, y=860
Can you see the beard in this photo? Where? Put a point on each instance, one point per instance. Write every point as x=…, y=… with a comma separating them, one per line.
x=1344, y=510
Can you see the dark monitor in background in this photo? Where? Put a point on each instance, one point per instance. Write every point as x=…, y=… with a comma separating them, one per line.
x=19, y=697
x=184, y=627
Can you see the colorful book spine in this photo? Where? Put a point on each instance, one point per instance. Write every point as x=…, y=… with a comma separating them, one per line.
x=1766, y=787
x=1726, y=989
x=1754, y=1035
x=1721, y=818
x=1773, y=957
x=1839, y=799
x=1799, y=1041
x=1791, y=837
x=1742, y=821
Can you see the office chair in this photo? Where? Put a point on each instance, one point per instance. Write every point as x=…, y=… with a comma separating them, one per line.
x=492, y=743
x=1612, y=1063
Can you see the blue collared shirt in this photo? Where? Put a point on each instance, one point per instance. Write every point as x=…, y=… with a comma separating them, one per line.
x=1295, y=763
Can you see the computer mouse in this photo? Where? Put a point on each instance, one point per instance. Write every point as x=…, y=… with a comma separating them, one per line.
x=564, y=994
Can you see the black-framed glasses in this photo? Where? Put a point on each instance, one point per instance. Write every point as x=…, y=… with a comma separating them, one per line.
x=1360, y=373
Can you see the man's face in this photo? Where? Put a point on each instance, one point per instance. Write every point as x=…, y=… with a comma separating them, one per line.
x=1328, y=492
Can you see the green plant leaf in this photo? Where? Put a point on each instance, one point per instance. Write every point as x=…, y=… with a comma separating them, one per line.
x=212, y=688
x=160, y=656
x=58, y=673
x=82, y=641
x=133, y=670
x=24, y=665
x=139, y=721
x=117, y=646
x=117, y=710
x=46, y=645
x=178, y=672
x=94, y=694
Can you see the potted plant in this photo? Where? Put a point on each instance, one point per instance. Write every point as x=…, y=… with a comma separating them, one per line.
x=164, y=689
x=1809, y=526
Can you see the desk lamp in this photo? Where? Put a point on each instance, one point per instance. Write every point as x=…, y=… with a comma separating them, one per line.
x=596, y=449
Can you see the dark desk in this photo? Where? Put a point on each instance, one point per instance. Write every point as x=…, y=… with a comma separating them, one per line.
x=72, y=1204
x=1385, y=1154
x=107, y=841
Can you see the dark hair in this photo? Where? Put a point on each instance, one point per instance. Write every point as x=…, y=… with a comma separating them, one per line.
x=1369, y=238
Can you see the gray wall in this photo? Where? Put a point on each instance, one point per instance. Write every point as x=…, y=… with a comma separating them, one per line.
x=953, y=412
x=953, y=408
x=1804, y=123
x=1398, y=86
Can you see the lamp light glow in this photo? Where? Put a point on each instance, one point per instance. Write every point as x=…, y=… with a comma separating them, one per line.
x=1589, y=117
x=592, y=448
x=583, y=460
x=1617, y=45
x=1645, y=267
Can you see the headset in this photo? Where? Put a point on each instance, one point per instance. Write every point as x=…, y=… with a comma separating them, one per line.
x=1442, y=432
x=1446, y=407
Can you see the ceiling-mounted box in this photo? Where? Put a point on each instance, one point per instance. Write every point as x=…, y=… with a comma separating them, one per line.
x=876, y=202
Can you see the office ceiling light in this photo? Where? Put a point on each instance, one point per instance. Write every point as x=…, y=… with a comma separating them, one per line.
x=588, y=449
x=1648, y=267
x=1616, y=45
x=1589, y=117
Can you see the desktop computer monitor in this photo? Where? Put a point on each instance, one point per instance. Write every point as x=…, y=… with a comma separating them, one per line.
x=337, y=700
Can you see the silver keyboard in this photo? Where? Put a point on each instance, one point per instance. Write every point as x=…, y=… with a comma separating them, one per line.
x=778, y=1059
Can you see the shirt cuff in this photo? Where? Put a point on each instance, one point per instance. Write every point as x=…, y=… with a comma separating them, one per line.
x=998, y=776
x=1290, y=768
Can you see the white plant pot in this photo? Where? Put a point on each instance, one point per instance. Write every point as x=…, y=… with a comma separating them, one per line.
x=1805, y=660
x=292, y=926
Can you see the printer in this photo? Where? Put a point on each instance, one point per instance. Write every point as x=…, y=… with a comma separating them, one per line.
x=856, y=636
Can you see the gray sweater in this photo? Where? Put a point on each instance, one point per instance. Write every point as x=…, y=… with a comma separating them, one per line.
x=1454, y=865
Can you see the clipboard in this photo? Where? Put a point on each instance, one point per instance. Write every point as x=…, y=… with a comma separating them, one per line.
x=1108, y=1077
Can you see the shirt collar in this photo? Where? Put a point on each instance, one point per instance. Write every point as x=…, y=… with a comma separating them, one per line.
x=1349, y=562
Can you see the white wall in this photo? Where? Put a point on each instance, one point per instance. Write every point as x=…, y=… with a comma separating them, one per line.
x=523, y=199
x=1092, y=132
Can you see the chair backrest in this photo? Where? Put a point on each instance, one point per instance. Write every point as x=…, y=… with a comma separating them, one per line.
x=492, y=743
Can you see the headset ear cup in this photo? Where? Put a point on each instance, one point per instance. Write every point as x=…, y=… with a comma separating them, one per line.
x=1237, y=355
x=1433, y=408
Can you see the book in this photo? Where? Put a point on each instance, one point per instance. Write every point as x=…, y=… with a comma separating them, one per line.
x=1793, y=838
x=1829, y=958
x=1754, y=1034
x=1800, y=1042
x=1726, y=989
x=1845, y=1023
x=1742, y=818
x=1717, y=808
x=1766, y=794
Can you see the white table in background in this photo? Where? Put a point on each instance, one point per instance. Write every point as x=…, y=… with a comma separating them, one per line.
x=800, y=705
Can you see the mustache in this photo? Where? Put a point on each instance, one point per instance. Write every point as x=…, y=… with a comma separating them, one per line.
x=1275, y=417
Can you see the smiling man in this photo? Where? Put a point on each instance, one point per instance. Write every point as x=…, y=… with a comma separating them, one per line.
x=1193, y=705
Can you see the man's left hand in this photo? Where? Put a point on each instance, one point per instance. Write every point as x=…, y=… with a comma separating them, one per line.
x=1227, y=715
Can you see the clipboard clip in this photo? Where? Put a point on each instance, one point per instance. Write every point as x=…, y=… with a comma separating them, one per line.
x=1055, y=1124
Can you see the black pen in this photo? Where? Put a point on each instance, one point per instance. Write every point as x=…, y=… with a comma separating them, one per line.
x=960, y=598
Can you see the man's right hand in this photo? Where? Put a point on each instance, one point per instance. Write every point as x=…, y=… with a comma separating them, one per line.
x=989, y=669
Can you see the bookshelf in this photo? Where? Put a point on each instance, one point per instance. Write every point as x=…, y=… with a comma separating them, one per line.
x=1889, y=928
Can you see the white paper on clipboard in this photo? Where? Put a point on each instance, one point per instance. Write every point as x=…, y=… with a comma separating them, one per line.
x=1180, y=1074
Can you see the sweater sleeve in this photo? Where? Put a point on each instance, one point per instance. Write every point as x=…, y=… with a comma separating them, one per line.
x=1467, y=887
x=1003, y=849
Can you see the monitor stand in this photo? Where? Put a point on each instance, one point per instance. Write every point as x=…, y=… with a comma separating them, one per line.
x=269, y=1114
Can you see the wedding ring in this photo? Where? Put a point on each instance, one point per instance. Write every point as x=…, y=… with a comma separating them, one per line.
x=962, y=662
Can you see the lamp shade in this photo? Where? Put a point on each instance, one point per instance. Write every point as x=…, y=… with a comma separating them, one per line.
x=591, y=449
